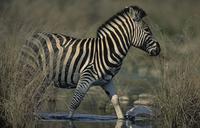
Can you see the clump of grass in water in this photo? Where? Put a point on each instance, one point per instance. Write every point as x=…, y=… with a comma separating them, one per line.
x=178, y=97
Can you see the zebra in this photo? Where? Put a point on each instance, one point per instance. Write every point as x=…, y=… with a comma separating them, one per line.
x=78, y=64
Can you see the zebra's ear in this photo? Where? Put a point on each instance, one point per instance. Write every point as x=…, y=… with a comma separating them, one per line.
x=136, y=13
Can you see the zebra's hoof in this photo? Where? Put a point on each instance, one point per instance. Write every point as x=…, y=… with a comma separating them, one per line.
x=70, y=116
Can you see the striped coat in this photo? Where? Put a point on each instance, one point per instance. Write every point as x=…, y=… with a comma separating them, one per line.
x=80, y=63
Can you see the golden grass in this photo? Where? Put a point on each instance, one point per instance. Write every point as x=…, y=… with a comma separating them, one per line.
x=175, y=26
x=16, y=94
x=178, y=96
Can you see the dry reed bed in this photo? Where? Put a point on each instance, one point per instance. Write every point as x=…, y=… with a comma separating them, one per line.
x=178, y=93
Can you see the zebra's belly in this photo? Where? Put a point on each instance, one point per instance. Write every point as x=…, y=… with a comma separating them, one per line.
x=100, y=82
x=64, y=85
x=105, y=80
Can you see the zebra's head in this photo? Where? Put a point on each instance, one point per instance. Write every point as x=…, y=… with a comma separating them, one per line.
x=142, y=36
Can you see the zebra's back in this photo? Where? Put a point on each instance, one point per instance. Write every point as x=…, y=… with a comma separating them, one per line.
x=60, y=57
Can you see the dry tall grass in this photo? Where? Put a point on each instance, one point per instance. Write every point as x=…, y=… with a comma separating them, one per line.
x=178, y=96
x=175, y=25
x=16, y=96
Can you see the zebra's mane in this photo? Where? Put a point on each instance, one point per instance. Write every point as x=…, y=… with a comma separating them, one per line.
x=121, y=13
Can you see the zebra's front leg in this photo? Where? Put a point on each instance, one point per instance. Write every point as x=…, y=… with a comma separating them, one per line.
x=79, y=93
x=110, y=91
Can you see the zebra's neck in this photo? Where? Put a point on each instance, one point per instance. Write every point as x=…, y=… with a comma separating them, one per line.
x=113, y=43
x=115, y=35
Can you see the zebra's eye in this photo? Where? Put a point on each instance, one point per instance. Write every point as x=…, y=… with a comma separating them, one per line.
x=147, y=29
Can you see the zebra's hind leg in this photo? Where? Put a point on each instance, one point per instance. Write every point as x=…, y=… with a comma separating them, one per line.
x=79, y=93
x=110, y=91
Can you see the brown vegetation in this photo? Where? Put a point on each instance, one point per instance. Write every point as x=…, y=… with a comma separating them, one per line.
x=174, y=76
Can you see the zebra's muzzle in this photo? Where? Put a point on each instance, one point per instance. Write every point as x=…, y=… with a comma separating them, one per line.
x=155, y=50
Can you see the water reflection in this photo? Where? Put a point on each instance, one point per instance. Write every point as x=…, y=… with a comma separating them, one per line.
x=98, y=124
x=59, y=120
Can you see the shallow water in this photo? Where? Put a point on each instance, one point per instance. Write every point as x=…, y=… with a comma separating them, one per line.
x=60, y=120
x=87, y=124
x=54, y=116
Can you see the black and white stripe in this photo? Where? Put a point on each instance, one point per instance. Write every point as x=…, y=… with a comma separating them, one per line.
x=79, y=63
